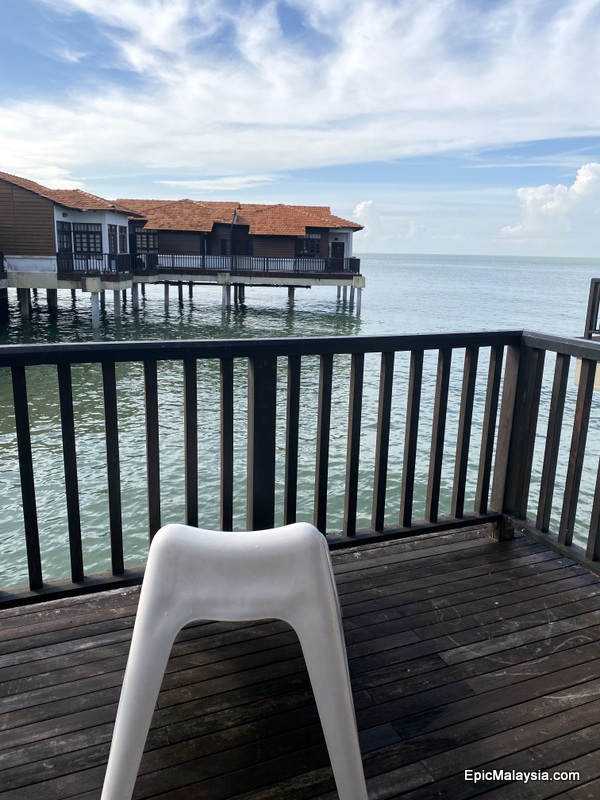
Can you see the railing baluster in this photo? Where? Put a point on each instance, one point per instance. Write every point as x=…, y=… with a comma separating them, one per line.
x=593, y=542
x=226, y=368
x=577, y=452
x=323, y=426
x=410, y=441
x=490, y=415
x=464, y=432
x=190, y=424
x=353, y=450
x=291, y=440
x=32, y=538
x=555, y=420
x=262, y=408
x=437, y=435
x=386, y=380
x=152, y=445
x=113, y=466
x=65, y=391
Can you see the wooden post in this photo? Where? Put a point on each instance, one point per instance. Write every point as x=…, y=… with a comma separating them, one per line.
x=262, y=386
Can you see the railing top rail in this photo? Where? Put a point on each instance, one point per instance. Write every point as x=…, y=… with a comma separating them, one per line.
x=580, y=348
x=98, y=352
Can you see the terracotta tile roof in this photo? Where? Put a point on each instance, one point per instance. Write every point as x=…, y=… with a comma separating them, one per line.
x=69, y=198
x=265, y=220
x=283, y=220
x=181, y=215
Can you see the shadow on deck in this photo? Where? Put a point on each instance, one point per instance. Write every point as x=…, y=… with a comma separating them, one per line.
x=464, y=653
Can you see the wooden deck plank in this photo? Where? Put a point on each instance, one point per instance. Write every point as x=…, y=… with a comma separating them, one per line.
x=463, y=652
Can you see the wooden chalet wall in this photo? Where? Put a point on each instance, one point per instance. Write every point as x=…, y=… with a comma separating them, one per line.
x=26, y=222
x=180, y=242
x=276, y=246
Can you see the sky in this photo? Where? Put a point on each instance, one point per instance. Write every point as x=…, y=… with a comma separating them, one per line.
x=442, y=126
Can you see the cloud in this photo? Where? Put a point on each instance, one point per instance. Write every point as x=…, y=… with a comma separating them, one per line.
x=225, y=184
x=548, y=211
x=223, y=87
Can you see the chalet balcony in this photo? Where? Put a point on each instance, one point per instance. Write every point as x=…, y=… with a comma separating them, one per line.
x=80, y=264
x=465, y=542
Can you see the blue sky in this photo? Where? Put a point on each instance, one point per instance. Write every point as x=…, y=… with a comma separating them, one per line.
x=444, y=126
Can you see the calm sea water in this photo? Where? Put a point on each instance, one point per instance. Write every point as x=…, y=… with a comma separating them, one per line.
x=404, y=294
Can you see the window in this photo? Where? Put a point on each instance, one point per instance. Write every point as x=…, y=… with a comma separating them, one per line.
x=308, y=246
x=87, y=237
x=64, y=239
x=112, y=239
x=123, y=248
x=146, y=241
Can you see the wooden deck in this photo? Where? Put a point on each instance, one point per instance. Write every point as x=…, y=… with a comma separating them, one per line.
x=463, y=653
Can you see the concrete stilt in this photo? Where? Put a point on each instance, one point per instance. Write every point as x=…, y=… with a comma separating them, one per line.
x=124, y=296
x=102, y=300
x=117, y=302
x=242, y=289
x=351, y=304
x=95, y=310
x=226, y=297
x=291, y=290
x=135, y=297
x=3, y=305
x=52, y=300
x=339, y=292
x=34, y=293
x=180, y=292
x=358, y=301
x=166, y=294
x=24, y=302
x=73, y=295
x=191, y=288
x=345, y=294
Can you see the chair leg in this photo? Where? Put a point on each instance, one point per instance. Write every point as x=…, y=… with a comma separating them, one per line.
x=321, y=639
x=153, y=635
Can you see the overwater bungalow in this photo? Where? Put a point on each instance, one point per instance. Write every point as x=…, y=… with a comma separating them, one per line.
x=70, y=239
x=465, y=555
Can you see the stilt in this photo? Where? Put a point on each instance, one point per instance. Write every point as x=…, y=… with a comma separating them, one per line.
x=242, y=293
x=345, y=294
x=117, y=303
x=339, y=292
x=52, y=300
x=358, y=301
x=34, y=293
x=135, y=297
x=180, y=292
x=191, y=288
x=3, y=305
x=73, y=295
x=166, y=294
x=226, y=297
x=291, y=296
x=24, y=302
x=95, y=310
x=144, y=290
x=124, y=296
x=351, y=305
x=102, y=300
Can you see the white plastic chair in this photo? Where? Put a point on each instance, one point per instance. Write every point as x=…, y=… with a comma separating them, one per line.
x=284, y=573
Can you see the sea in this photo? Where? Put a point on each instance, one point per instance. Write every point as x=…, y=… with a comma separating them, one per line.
x=405, y=294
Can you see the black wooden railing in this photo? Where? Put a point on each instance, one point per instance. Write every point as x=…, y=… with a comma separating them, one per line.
x=469, y=412
x=144, y=262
